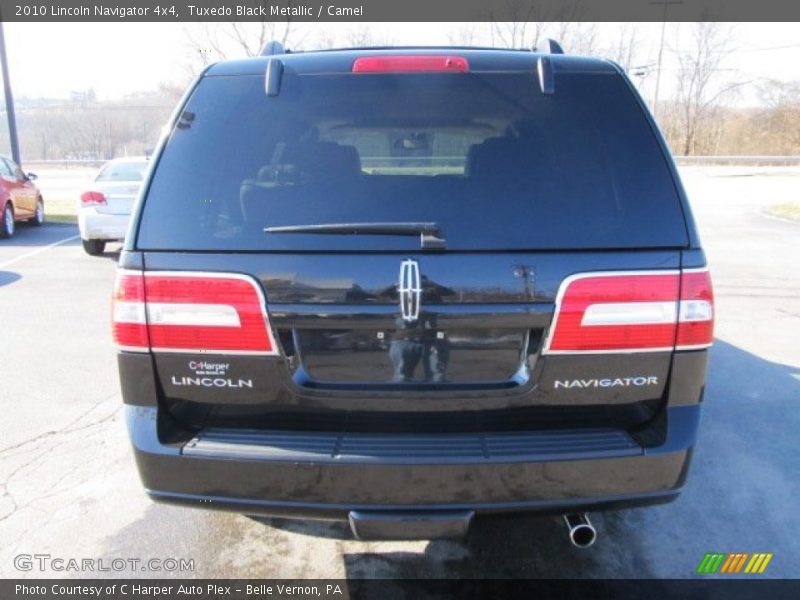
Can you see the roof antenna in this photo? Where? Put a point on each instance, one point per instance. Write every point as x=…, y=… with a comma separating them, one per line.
x=550, y=46
x=272, y=48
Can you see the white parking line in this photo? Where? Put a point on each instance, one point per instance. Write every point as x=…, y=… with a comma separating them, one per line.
x=37, y=251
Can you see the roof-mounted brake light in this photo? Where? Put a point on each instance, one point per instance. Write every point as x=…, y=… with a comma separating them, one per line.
x=410, y=64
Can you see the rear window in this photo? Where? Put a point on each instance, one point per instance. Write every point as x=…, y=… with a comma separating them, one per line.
x=486, y=156
x=122, y=171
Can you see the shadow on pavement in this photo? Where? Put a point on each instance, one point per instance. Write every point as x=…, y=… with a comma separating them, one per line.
x=740, y=497
x=27, y=235
x=8, y=277
x=337, y=530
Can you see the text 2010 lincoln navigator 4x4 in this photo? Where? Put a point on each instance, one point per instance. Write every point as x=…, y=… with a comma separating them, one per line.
x=407, y=287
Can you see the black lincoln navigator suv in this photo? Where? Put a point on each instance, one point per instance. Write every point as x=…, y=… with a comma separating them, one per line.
x=409, y=287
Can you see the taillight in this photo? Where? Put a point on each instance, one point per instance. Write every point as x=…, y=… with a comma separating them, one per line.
x=93, y=199
x=192, y=312
x=632, y=312
x=128, y=322
x=410, y=64
x=696, y=314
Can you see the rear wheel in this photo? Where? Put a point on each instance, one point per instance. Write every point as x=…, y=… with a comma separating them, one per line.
x=7, y=226
x=38, y=215
x=94, y=247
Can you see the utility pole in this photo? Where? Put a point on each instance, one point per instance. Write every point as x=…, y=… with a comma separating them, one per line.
x=12, y=118
x=665, y=4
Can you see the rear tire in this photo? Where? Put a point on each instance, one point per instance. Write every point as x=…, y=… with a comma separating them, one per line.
x=38, y=215
x=94, y=247
x=7, y=224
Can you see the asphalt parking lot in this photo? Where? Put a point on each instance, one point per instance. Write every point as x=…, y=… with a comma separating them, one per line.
x=69, y=488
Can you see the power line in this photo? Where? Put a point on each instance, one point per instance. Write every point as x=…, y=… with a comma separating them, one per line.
x=744, y=50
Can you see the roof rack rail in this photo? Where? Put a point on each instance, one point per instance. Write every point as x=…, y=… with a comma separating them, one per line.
x=273, y=76
x=272, y=48
x=439, y=47
x=550, y=46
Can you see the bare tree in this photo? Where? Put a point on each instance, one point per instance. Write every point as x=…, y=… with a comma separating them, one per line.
x=574, y=37
x=521, y=30
x=530, y=22
x=701, y=81
x=343, y=35
x=625, y=51
x=43, y=133
x=325, y=40
x=224, y=40
x=782, y=114
x=219, y=41
x=209, y=43
x=465, y=35
x=86, y=127
x=364, y=37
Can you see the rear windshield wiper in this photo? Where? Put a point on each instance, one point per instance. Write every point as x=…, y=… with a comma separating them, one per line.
x=428, y=232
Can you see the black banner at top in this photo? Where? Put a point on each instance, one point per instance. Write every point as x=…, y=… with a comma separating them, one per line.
x=398, y=10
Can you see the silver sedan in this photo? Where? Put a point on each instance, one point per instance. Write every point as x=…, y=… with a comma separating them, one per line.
x=105, y=208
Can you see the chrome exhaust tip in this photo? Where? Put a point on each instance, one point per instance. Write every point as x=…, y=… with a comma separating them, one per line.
x=582, y=533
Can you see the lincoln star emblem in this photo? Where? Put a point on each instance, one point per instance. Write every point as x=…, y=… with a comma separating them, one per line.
x=410, y=289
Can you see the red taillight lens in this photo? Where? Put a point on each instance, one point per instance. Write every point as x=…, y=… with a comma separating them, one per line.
x=93, y=199
x=206, y=313
x=632, y=312
x=616, y=312
x=128, y=322
x=410, y=64
x=201, y=312
x=696, y=314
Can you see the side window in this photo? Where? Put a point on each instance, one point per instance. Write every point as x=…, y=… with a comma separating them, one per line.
x=14, y=170
x=5, y=169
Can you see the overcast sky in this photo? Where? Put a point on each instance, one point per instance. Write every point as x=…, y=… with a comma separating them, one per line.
x=52, y=59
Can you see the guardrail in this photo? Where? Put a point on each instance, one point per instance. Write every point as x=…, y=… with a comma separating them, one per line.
x=739, y=160
x=683, y=160
x=66, y=162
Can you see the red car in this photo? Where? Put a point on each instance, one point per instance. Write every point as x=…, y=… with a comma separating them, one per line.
x=20, y=199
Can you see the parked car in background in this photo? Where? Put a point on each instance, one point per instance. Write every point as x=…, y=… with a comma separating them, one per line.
x=21, y=199
x=106, y=207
